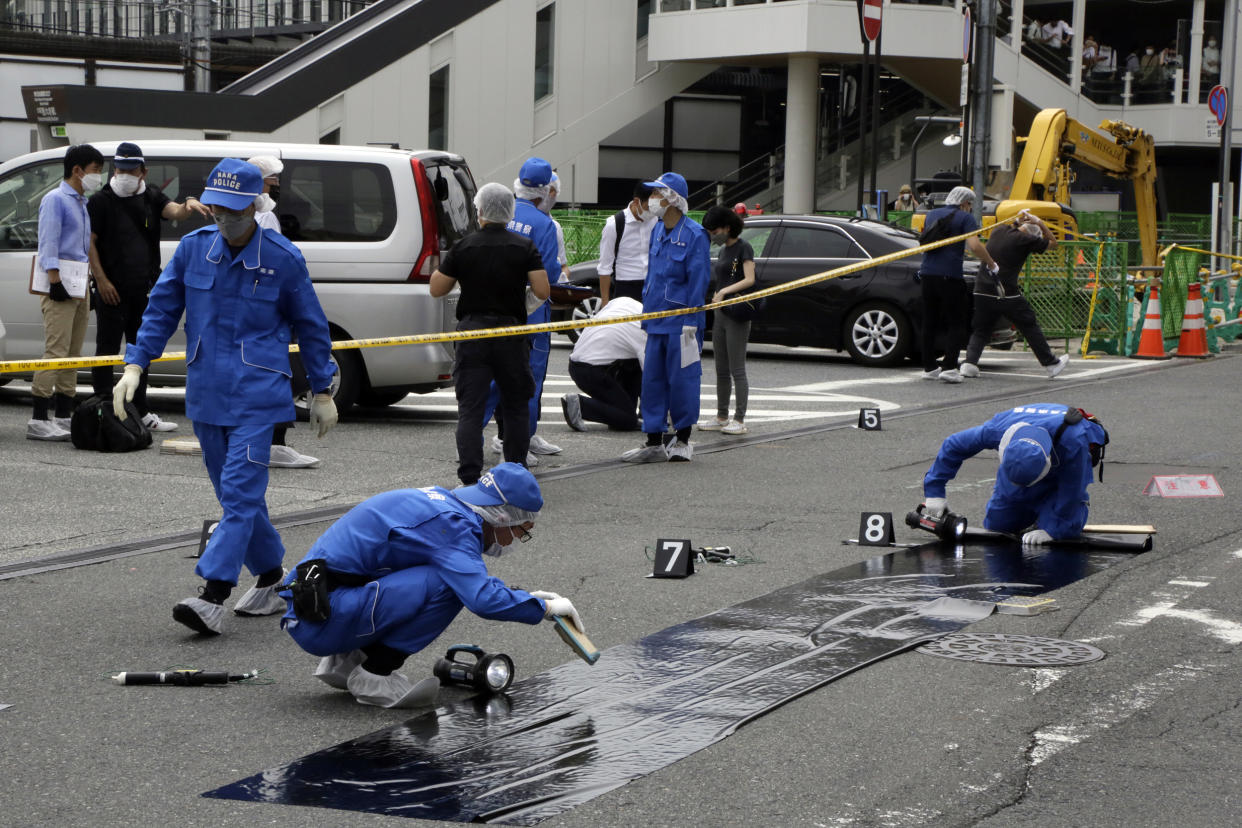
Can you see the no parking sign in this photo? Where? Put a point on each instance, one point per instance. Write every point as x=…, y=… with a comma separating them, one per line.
x=1218, y=102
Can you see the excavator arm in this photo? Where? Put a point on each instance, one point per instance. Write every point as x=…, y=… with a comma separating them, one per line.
x=1045, y=173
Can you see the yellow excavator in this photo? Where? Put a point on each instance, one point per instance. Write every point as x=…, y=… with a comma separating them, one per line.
x=1045, y=173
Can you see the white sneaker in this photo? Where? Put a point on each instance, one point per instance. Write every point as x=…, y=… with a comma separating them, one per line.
x=679, y=452
x=284, y=457
x=199, y=615
x=46, y=430
x=733, y=427
x=1058, y=366
x=64, y=422
x=334, y=670
x=261, y=600
x=531, y=460
x=932, y=374
x=951, y=376
x=969, y=370
x=538, y=445
x=645, y=454
x=153, y=423
x=393, y=690
x=498, y=445
x=713, y=424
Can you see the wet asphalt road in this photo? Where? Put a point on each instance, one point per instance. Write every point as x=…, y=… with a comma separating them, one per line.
x=1145, y=737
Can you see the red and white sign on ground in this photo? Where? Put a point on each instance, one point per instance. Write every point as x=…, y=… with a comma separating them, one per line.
x=872, y=12
x=1184, y=485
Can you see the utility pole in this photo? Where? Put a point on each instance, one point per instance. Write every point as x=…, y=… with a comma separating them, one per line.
x=1229, y=67
x=200, y=52
x=981, y=105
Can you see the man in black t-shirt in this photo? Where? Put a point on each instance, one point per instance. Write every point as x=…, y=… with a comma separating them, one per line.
x=125, y=260
x=493, y=268
x=998, y=294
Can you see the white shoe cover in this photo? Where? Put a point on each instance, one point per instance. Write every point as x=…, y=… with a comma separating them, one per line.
x=262, y=600
x=334, y=670
x=199, y=615
x=392, y=690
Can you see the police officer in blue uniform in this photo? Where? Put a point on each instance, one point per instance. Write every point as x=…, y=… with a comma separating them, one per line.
x=679, y=268
x=398, y=568
x=245, y=291
x=531, y=189
x=1047, y=451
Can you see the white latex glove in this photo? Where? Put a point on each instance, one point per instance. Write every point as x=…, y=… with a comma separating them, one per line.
x=1036, y=537
x=546, y=596
x=935, y=506
x=124, y=390
x=322, y=413
x=994, y=268
x=532, y=301
x=563, y=606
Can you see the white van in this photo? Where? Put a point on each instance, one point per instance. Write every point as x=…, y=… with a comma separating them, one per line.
x=371, y=222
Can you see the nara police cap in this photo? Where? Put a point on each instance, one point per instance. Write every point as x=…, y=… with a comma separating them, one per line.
x=233, y=184
x=671, y=181
x=536, y=172
x=506, y=483
x=128, y=156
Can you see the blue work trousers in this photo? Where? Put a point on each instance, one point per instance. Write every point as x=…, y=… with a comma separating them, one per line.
x=405, y=610
x=236, y=458
x=669, y=389
x=540, y=347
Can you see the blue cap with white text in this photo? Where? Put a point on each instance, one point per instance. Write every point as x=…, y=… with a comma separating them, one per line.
x=233, y=184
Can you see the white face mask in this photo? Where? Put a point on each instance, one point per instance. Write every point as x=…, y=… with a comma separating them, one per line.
x=91, y=182
x=495, y=550
x=264, y=203
x=656, y=206
x=125, y=185
x=1212, y=44
x=1151, y=51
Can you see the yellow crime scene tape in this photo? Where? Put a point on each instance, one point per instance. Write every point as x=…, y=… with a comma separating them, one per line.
x=18, y=366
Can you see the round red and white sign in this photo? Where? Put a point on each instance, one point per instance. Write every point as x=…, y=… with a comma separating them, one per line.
x=872, y=11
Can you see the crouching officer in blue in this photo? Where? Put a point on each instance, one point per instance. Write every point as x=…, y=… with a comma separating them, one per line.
x=244, y=292
x=679, y=268
x=1046, y=454
x=390, y=576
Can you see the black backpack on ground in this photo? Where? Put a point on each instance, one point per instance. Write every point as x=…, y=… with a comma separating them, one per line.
x=95, y=427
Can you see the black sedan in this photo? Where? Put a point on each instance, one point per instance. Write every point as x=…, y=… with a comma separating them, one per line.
x=875, y=314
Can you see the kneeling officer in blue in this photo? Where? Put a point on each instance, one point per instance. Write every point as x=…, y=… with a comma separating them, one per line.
x=244, y=292
x=1046, y=454
x=390, y=576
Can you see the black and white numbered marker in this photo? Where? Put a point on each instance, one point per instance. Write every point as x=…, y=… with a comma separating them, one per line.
x=876, y=529
x=673, y=558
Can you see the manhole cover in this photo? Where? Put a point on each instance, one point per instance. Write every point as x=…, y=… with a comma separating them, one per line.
x=1014, y=650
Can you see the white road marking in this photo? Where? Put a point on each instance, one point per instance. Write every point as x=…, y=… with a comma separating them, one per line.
x=1190, y=583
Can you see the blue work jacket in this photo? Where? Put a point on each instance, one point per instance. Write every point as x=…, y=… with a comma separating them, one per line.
x=536, y=225
x=240, y=316
x=679, y=269
x=1060, y=498
x=428, y=527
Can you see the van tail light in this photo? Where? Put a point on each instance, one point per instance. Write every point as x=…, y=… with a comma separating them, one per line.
x=429, y=255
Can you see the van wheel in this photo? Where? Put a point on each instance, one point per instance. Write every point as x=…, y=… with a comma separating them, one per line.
x=346, y=383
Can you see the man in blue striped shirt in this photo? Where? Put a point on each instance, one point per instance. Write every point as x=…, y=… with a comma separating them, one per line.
x=64, y=234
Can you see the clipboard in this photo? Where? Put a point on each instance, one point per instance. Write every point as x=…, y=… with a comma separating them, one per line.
x=75, y=276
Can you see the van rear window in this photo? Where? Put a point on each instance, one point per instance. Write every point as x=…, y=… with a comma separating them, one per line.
x=455, y=210
x=342, y=201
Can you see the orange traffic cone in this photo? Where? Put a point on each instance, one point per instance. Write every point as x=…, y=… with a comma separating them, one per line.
x=1193, y=342
x=1151, y=340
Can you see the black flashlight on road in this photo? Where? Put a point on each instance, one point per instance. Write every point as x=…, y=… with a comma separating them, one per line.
x=948, y=526
x=487, y=673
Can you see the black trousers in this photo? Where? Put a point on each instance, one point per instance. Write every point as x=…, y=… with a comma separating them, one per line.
x=944, y=311
x=507, y=361
x=609, y=392
x=630, y=288
x=1018, y=311
x=112, y=323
